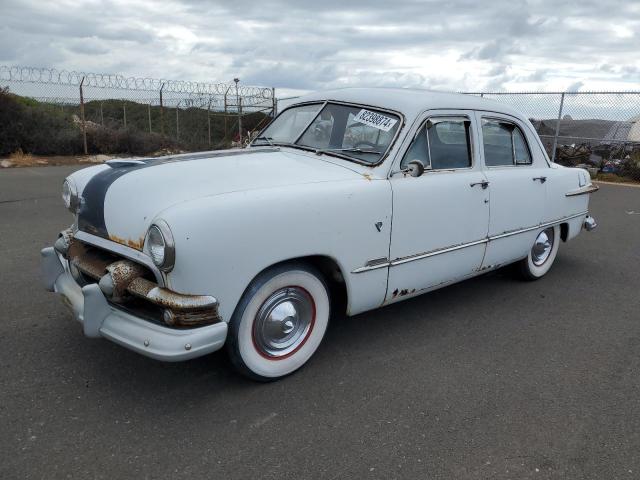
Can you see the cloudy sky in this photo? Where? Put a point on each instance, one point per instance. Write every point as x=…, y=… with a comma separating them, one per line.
x=301, y=45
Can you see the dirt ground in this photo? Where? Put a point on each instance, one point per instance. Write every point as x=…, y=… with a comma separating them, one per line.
x=19, y=159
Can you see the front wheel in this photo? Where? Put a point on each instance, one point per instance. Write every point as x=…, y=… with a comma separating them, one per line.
x=279, y=322
x=542, y=254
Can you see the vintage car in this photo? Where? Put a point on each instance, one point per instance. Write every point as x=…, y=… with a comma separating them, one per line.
x=369, y=195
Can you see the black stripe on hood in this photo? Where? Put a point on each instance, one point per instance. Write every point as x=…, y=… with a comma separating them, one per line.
x=91, y=212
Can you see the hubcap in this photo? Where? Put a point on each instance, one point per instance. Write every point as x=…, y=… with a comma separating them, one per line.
x=542, y=247
x=283, y=323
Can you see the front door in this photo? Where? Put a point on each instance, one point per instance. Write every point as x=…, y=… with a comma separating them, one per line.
x=440, y=219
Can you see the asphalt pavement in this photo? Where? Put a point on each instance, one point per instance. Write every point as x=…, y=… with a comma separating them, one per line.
x=490, y=378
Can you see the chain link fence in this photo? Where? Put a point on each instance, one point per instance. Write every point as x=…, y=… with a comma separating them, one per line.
x=46, y=111
x=51, y=112
x=597, y=130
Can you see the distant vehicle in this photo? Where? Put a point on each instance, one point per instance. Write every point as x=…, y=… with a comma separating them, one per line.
x=611, y=166
x=376, y=195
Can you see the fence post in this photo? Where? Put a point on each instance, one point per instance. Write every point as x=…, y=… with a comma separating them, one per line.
x=84, y=127
x=149, y=115
x=225, y=114
x=161, y=112
x=124, y=110
x=240, y=120
x=239, y=107
x=275, y=102
x=209, y=121
x=555, y=137
x=177, y=122
x=101, y=115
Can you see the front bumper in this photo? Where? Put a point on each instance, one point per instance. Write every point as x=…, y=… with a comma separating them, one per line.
x=101, y=319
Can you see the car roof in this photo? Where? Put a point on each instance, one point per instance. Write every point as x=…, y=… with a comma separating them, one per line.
x=410, y=101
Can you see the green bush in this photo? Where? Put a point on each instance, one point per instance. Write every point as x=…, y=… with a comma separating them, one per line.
x=36, y=128
x=46, y=129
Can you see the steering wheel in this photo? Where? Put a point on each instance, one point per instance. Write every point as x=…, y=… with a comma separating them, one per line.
x=364, y=143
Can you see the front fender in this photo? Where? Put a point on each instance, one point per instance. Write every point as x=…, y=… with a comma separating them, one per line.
x=224, y=241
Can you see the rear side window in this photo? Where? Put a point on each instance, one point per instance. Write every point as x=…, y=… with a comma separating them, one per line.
x=504, y=144
x=442, y=143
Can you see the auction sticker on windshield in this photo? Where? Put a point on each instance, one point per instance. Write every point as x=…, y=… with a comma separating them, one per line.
x=376, y=120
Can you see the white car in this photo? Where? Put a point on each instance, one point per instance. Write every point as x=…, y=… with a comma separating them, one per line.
x=373, y=195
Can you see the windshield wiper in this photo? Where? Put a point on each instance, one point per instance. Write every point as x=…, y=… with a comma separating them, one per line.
x=282, y=144
x=352, y=150
x=266, y=139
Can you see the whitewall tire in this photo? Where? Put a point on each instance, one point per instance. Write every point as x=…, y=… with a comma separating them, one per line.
x=542, y=254
x=279, y=322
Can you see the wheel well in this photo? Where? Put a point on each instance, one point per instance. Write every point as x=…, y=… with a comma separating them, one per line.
x=332, y=276
x=564, y=231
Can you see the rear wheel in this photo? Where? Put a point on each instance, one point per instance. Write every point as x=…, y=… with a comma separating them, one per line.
x=279, y=322
x=542, y=254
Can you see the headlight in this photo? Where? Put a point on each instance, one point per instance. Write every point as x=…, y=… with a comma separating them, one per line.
x=70, y=195
x=160, y=245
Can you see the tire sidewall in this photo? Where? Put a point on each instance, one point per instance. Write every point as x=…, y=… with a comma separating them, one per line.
x=537, y=271
x=241, y=345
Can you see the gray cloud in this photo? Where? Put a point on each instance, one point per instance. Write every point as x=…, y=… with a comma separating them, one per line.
x=289, y=44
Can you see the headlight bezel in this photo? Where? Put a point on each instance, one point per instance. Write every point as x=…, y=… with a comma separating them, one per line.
x=168, y=260
x=72, y=202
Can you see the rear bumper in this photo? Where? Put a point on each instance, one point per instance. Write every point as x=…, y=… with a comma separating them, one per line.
x=101, y=319
x=590, y=223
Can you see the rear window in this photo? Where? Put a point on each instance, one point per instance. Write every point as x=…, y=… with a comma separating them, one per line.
x=504, y=144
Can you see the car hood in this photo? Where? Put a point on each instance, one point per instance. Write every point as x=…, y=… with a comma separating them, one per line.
x=120, y=201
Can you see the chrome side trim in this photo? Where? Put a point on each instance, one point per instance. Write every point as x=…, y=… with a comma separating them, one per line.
x=583, y=190
x=542, y=225
x=373, y=265
x=420, y=256
x=127, y=252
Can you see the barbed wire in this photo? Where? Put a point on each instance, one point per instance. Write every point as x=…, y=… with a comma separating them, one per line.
x=538, y=92
x=120, y=82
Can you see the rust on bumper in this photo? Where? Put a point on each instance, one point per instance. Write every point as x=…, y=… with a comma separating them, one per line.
x=120, y=280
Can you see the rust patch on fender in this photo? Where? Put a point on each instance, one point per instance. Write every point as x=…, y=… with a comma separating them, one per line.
x=135, y=244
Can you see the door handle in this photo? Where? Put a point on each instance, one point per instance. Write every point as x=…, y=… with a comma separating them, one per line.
x=484, y=184
x=542, y=179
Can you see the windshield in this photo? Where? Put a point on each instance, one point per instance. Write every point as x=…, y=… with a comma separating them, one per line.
x=355, y=132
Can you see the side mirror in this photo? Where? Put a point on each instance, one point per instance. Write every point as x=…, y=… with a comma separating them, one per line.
x=415, y=168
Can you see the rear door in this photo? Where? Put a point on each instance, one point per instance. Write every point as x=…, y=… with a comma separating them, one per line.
x=517, y=188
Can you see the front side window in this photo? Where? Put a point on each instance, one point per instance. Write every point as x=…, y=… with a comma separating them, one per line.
x=442, y=143
x=504, y=144
x=354, y=132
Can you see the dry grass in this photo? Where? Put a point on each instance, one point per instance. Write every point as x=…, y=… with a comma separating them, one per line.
x=21, y=159
x=612, y=177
